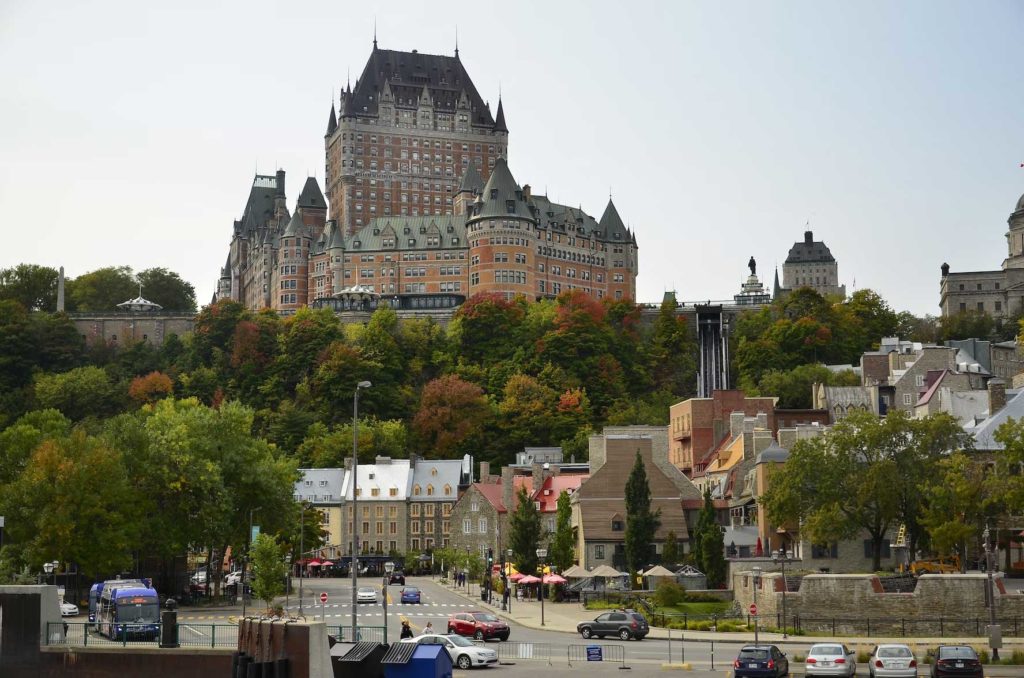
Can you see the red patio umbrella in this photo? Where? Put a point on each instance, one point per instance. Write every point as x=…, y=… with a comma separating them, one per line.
x=327, y=563
x=517, y=577
x=554, y=579
x=529, y=579
x=759, y=549
x=314, y=563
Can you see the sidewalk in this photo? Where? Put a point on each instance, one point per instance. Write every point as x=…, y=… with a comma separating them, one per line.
x=564, y=617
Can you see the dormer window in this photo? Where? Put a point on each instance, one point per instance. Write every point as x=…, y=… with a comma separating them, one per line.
x=430, y=491
x=494, y=194
x=416, y=489
x=433, y=471
x=618, y=525
x=510, y=206
x=447, y=490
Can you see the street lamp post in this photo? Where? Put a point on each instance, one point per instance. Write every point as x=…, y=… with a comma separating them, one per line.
x=355, y=500
x=389, y=567
x=245, y=560
x=508, y=552
x=995, y=637
x=757, y=583
x=48, y=569
x=781, y=557
x=541, y=555
x=302, y=549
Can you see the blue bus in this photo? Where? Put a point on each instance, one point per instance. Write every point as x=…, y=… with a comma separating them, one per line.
x=129, y=611
x=96, y=590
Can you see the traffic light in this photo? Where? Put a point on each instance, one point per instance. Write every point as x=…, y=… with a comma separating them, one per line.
x=490, y=558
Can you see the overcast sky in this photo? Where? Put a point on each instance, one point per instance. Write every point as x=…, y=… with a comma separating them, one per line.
x=130, y=131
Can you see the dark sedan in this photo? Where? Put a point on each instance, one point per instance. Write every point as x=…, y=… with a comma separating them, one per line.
x=760, y=661
x=956, y=661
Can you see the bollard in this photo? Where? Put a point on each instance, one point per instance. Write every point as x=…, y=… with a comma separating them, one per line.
x=712, y=655
x=682, y=647
x=670, y=646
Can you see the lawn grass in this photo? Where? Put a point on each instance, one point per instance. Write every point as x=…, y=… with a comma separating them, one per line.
x=718, y=607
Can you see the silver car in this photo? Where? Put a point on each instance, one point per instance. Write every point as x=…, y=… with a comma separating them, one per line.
x=892, y=661
x=830, y=659
x=366, y=594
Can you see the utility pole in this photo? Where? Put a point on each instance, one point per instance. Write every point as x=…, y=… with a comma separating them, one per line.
x=355, y=502
x=757, y=583
x=245, y=561
x=995, y=635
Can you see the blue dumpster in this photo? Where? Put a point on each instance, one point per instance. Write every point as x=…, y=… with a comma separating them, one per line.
x=410, y=660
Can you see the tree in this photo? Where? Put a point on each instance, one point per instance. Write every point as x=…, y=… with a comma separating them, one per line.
x=150, y=388
x=562, y=552
x=452, y=413
x=706, y=522
x=961, y=496
x=32, y=286
x=79, y=393
x=670, y=552
x=794, y=387
x=168, y=289
x=862, y=477
x=641, y=522
x=102, y=289
x=713, y=547
x=525, y=528
x=268, y=569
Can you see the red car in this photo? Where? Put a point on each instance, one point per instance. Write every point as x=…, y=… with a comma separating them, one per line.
x=479, y=625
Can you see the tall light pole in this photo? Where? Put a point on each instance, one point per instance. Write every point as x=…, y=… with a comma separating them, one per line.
x=302, y=548
x=245, y=561
x=989, y=566
x=508, y=582
x=355, y=501
x=757, y=582
x=541, y=555
x=781, y=557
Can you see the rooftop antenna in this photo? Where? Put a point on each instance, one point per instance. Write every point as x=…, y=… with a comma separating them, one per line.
x=456, y=40
x=375, y=31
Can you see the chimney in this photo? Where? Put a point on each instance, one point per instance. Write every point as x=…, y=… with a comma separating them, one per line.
x=762, y=420
x=996, y=395
x=762, y=439
x=506, y=487
x=383, y=460
x=808, y=237
x=280, y=182
x=527, y=192
x=787, y=438
x=736, y=424
x=485, y=471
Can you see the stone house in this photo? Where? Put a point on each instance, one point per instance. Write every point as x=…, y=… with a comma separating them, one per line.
x=434, y=490
x=382, y=489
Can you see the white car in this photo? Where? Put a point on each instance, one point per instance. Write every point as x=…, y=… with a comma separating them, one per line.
x=893, y=661
x=366, y=594
x=830, y=659
x=464, y=652
x=68, y=609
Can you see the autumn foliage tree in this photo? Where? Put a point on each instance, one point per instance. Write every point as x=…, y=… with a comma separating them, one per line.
x=452, y=414
x=150, y=388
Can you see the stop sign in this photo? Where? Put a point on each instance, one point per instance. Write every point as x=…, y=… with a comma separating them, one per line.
x=753, y=608
x=323, y=598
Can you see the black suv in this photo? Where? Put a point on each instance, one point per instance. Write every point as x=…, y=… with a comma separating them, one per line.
x=625, y=624
x=397, y=578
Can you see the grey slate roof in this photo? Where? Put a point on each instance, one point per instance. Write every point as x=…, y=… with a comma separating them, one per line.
x=773, y=453
x=259, y=208
x=311, y=195
x=501, y=189
x=499, y=120
x=406, y=228
x=984, y=431
x=332, y=122
x=809, y=250
x=436, y=473
x=295, y=227
x=611, y=223
x=320, y=485
x=471, y=180
x=407, y=74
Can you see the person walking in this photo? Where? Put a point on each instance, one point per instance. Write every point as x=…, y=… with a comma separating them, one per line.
x=428, y=629
x=406, y=630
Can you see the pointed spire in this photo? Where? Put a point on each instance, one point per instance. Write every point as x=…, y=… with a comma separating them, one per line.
x=375, y=33
x=776, y=288
x=499, y=119
x=456, y=41
x=332, y=122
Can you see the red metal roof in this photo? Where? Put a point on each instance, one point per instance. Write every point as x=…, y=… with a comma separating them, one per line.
x=556, y=485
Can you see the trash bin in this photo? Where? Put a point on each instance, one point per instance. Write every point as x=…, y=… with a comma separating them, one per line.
x=412, y=660
x=360, y=660
x=169, y=624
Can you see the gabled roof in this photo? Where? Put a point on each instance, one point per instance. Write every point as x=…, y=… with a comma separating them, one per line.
x=317, y=492
x=933, y=388
x=312, y=196
x=407, y=74
x=554, y=486
x=471, y=180
x=809, y=250
x=985, y=430
x=371, y=236
x=382, y=477
x=492, y=491
x=436, y=473
x=259, y=208
x=295, y=227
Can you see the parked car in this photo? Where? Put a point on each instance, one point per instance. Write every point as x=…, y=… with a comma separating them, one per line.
x=957, y=661
x=760, y=661
x=625, y=624
x=366, y=594
x=465, y=653
x=479, y=625
x=68, y=609
x=830, y=659
x=397, y=578
x=411, y=594
x=892, y=661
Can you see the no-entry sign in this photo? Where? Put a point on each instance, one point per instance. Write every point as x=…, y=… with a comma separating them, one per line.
x=753, y=607
x=323, y=598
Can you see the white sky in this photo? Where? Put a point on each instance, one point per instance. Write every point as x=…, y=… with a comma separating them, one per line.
x=129, y=132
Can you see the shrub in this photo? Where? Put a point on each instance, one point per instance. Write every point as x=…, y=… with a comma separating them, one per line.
x=669, y=593
x=863, y=657
x=799, y=658
x=983, y=656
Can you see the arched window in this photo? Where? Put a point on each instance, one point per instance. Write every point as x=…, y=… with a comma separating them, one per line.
x=433, y=471
x=430, y=490
x=447, y=490
x=415, y=489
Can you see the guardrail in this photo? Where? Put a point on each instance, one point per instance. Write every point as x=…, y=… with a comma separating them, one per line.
x=375, y=634
x=511, y=650
x=83, y=634
x=596, y=653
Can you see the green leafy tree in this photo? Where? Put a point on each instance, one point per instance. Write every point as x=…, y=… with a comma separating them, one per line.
x=268, y=569
x=706, y=522
x=525, y=528
x=670, y=551
x=641, y=522
x=81, y=392
x=168, y=289
x=32, y=286
x=794, y=387
x=713, y=548
x=102, y=289
x=562, y=551
x=966, y=324
x=961, y=495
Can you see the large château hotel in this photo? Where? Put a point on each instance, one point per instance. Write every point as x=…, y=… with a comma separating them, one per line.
x=423, y=209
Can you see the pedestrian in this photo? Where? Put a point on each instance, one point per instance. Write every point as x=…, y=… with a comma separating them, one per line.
x=406, y=630
x=428, y=629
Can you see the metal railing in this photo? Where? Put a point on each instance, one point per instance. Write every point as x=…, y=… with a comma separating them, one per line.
x=596, y=653
x=941, y=627
x=374, y=634
x=84, y=634
x=510, y=651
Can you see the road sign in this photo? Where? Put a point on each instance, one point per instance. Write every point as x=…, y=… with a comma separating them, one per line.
x=323, y=598
x=753, y=609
